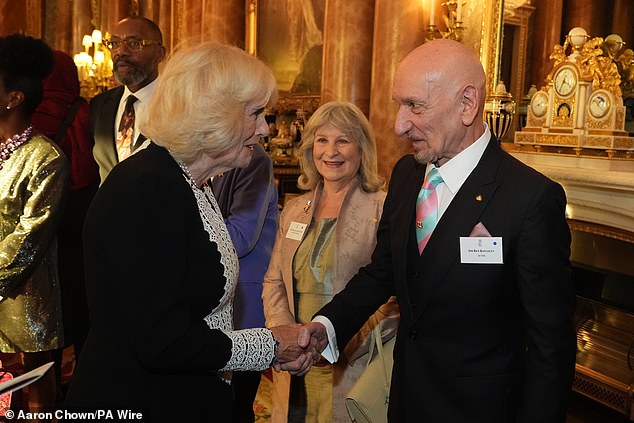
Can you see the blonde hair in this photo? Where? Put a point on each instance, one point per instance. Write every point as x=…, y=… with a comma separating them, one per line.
x=201, y=97
x=350, y=120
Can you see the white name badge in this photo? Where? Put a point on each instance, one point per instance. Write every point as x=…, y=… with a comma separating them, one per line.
x=296, y=231
x=476, y=249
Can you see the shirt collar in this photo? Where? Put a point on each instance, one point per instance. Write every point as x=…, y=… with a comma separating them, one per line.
x=143, y=95
x=459, y=167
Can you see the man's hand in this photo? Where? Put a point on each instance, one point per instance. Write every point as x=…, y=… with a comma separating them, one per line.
x=313, y=335
x=289, y=355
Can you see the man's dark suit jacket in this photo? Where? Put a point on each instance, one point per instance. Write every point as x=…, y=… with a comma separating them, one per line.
x=103, y=111
x=476, y=342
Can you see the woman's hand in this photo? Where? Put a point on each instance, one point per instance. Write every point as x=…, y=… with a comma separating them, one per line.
x=289, y=355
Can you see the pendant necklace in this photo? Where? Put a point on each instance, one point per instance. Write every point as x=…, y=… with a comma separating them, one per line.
x=10, y=145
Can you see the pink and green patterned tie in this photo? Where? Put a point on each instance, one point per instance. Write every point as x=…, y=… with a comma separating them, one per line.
x=427, y=208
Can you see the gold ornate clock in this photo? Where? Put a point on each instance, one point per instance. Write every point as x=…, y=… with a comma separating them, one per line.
x=581, y=106
x=565, y=81
x=539, y=104
x=599, y=104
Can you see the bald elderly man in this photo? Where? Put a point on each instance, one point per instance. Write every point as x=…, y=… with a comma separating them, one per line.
x=475, y=246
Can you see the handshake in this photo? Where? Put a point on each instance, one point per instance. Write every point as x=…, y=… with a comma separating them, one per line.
x=299, y=347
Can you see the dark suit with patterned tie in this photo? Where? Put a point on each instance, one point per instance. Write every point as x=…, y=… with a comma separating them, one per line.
x=477, y=342
x=103, y=112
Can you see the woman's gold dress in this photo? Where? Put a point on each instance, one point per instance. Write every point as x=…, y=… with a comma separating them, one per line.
x=33, y=184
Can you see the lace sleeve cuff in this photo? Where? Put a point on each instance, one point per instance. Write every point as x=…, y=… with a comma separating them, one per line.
x=251, y=349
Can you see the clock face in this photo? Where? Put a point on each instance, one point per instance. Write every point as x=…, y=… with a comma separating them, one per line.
x=565, y=81
x=539, y=104
x=599, y=104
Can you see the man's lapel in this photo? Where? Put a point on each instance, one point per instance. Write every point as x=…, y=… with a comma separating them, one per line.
x=443, y=249
x=109, y=115
x=403, y=222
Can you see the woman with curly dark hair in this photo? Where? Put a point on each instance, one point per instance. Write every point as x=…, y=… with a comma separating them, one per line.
x=33, y=180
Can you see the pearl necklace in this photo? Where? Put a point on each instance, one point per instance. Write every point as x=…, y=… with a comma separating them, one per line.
x=183, y=167
x=10, y=145
x=187, y=173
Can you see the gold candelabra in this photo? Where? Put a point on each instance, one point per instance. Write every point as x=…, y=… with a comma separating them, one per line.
x=94, y=65
x=452, y=19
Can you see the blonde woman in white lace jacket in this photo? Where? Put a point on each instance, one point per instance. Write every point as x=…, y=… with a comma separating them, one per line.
x=337, y=218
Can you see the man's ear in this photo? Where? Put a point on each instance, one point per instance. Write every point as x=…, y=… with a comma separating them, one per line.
x=163, y=53
x=470, y=104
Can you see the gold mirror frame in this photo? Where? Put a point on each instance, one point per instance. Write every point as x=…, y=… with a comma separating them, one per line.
x=483, y=23
x=483, y=33
x=288, y=102
x=491, y=50
x=251, y=44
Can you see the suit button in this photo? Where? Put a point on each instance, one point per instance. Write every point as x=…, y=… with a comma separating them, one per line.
x=412, y=334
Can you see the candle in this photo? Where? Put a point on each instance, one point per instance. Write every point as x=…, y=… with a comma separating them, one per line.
x=96, y=36
x=87, y=60
x=99, y=57
x=431, y=12
x=86, y=42
x=459, y=11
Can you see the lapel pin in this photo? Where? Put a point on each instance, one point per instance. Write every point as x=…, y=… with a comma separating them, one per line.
x=307, y=206
x=479, y=197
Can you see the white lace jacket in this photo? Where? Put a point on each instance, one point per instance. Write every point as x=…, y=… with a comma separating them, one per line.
x=252, y=349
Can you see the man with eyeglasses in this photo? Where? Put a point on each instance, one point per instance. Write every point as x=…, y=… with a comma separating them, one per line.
x=137, y=49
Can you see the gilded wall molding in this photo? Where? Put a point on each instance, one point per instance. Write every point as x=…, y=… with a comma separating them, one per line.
x=491, y=36
x=251, y=44
x=308, y=103
x=601, y=230
x=519, y=17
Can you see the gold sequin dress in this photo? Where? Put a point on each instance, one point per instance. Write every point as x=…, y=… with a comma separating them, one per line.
x=33, y=183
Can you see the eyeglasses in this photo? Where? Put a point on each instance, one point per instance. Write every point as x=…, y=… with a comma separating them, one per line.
x=131, y=43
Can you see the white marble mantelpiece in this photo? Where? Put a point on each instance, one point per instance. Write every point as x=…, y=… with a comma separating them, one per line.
x=599, y=190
